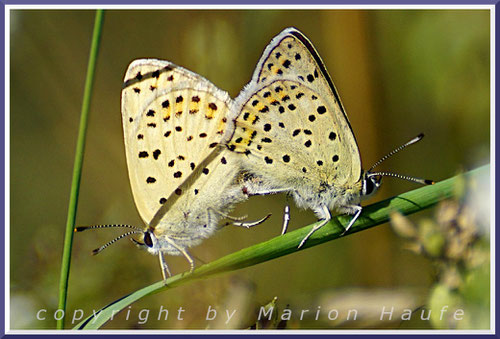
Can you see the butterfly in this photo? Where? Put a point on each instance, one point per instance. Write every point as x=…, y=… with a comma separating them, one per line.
x=293, y=133
x=183, y=180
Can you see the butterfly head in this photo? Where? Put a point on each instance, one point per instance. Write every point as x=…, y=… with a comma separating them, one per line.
x=370, y=183
x=154, y=243
x=148, y=242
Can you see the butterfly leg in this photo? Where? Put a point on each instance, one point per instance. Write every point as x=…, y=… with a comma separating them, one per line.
x=286, y=219
x=326, y=216
x=251, y=223
x=267, y=191
x=236, y=220
x=286, y=215
x=164, y=267
x=357, y=212
x=227, y=216
x=184, y=253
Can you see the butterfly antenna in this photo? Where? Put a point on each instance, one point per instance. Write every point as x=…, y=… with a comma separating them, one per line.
x=83, y=228
x=390, y=154
x=98, y=250
x=404, y=177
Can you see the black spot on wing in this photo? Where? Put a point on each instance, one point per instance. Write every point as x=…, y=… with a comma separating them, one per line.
x=156, y=154
x=321, y=110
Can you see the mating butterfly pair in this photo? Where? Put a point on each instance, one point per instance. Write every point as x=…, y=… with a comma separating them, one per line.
x=193, y=152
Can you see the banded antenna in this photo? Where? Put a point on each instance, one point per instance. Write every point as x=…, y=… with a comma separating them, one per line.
x=135, y=230
x=395, y=175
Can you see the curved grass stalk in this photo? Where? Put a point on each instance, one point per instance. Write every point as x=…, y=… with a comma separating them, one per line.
x=373, y=215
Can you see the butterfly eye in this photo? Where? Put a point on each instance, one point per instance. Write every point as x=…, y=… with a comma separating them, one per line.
x=147, y=239
x=371, y=184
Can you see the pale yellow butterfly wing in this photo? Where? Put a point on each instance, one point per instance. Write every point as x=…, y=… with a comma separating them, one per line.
x=291, y=123
x=172, y=120
x=191, y=212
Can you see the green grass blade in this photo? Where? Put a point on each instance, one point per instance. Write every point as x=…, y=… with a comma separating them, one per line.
x=77, y=169
x=373, y=215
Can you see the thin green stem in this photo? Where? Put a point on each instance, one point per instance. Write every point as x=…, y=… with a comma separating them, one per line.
x=77, y=169
x=373, y=215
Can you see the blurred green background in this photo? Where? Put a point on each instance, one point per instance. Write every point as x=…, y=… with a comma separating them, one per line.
x=398, y=72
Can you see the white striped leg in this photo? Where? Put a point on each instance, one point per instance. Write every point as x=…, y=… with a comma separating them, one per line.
x=227, y=216
x=269, y=191
x=286, y=219
x=327, y=217
x=358, y=210
x=251, y=223
x=164, y=267
x=237, y=221
x=183, y=251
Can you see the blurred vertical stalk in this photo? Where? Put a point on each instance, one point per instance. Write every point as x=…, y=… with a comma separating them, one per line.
x=77, y=169
x=354, y=70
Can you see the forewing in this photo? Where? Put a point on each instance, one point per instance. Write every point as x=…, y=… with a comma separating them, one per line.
x=291, y=57
x=172, y=120
x=287, y=133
